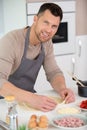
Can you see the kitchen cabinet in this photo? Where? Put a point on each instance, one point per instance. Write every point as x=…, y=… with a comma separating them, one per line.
x=81, y=57
x=76, y=63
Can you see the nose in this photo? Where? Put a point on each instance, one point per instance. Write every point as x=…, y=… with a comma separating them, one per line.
x=49, y=29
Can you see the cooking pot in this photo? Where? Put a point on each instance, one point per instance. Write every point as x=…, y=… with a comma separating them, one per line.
x=82, y=91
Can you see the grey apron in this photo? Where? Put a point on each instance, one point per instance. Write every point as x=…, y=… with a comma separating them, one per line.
x=25, y=76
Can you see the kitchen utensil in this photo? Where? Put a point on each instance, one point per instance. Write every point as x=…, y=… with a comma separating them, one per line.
x=76, y=79
x=82, y=86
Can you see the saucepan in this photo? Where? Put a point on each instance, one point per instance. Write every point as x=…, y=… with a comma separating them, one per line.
x=82, y=90
x=82, y=85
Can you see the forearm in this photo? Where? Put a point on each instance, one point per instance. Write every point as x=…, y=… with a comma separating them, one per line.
x=58, y=83
x=40, y=102
x=20, y=94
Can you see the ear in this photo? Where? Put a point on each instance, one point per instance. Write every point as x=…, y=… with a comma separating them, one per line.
x=35, y=18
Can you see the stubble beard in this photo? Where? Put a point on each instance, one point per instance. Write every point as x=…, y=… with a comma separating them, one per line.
x=41, y=39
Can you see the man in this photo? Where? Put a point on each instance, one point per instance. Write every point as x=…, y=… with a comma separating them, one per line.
x=23, y=51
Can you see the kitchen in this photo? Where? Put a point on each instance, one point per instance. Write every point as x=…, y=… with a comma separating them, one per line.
x=78, y=58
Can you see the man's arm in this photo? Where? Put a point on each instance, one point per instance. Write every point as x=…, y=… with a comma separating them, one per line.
x=36, y=101
x=59, y=85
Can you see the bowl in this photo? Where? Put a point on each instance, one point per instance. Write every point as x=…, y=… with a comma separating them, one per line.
x=70, y=121
x=82, y=91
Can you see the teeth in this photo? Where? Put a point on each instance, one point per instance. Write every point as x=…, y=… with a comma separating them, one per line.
x=45, y=34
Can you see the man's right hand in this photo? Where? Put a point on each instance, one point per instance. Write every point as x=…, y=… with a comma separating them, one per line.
x=42, y=103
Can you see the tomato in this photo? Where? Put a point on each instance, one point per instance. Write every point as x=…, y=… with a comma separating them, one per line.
x=83, y=104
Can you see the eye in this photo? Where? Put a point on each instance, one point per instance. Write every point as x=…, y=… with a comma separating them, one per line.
x=46, y=22
x=54, y=27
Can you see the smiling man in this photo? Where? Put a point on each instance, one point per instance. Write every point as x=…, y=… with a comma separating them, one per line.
x=45, y=26
x=24, y=51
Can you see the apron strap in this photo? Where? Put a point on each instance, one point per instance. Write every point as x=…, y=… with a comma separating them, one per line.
x=26, y=42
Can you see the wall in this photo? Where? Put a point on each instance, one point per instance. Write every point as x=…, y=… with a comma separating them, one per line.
x=43, y=0
x=14, y=14
x=81, y=17
x=12, y=21
x=1, y=18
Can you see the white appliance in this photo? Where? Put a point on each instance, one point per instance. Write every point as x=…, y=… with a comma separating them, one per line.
x=68, y=7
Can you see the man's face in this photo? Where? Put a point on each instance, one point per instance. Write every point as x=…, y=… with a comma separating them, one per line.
x=45, y=26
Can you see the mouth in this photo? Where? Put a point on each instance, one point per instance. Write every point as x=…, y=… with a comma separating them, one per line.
x=45, y=35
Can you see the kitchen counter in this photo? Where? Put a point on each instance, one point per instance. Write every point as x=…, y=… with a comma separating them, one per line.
x=25, y=113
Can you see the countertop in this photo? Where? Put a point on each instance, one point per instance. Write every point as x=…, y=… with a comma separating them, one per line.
x=24, y=113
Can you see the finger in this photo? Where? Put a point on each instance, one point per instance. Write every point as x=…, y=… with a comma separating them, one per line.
x=47, y=108
x=70, y=99
x=48, y=105
x=51, y=101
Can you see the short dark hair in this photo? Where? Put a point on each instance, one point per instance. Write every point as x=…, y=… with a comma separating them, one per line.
x=53, y=8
